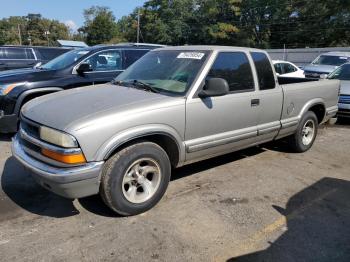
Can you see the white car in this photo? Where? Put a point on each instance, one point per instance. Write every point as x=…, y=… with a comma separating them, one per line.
x=287, y=69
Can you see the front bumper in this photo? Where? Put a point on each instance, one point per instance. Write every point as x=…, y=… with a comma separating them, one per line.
x=344, y=110
x=8, y=123
x=72, y=182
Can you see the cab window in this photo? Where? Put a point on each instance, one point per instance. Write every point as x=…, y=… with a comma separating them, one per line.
x=234, y=67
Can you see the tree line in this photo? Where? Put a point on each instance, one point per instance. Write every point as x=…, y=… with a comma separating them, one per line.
x=254, y=23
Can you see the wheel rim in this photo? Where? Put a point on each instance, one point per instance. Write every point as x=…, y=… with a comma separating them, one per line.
x=308, y=132
x=141, y=180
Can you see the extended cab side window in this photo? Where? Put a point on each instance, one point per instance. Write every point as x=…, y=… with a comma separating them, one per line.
x=234, y=67
x=264, y=71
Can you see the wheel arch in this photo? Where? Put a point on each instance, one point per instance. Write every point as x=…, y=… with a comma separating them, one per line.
x=317, y=106
x=31, y=94
x=169, y=141
x=320, y=112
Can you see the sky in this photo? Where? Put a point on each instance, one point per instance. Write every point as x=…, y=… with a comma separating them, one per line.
x=69, y=12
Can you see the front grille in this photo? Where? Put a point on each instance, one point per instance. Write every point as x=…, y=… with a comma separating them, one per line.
x=344, y=112
x=30, y=128
x=344, y=99
x=28, y=145
x=313, y=74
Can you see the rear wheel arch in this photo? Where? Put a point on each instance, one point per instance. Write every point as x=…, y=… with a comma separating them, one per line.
x=316, y=105
x=320, y=111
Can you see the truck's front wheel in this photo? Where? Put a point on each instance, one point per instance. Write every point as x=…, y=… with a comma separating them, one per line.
x=306, y=133
x=135, y=178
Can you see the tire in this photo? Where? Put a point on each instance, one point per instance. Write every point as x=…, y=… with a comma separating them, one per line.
x=135, y=178
x=306, y=133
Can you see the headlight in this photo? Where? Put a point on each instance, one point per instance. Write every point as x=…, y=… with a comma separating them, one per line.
x=57, y=138
x=5, y=89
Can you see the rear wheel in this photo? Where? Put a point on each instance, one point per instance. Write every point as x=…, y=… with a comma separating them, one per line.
x=306, y=133
x=135, y=178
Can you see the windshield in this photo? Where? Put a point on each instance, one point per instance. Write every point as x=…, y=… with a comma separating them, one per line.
x=64, y=60
x=341, y=73
x=169, y=71
x=331, y=60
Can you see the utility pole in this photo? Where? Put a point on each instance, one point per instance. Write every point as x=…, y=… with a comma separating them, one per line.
x=19, y=34
x=138, y=25
x=46, y=33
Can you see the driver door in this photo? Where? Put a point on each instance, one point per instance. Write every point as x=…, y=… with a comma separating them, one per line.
x=215, y=125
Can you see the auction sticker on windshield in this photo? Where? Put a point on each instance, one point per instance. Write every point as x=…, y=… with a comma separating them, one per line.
x=191, y=55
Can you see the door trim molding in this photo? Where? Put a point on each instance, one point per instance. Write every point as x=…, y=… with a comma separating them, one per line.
x=220, y=139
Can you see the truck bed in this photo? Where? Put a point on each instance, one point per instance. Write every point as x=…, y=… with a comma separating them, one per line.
x=292, y=80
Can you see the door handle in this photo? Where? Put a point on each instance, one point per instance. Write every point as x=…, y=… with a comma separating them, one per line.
x=255, y=102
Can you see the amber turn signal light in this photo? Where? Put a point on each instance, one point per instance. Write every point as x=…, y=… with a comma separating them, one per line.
x=67, y=159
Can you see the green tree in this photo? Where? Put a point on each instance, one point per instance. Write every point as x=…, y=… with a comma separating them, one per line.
x=33, y=29
x=100, y=26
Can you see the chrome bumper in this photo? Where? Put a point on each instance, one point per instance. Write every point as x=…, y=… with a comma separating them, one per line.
x=71, y=182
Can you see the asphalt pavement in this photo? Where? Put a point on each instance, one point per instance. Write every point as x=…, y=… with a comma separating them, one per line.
x=260, y=204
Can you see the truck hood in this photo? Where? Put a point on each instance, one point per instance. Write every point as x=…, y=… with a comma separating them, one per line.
x=345, y=87
x=25, y=74
x=320, y=68
x=76, y=108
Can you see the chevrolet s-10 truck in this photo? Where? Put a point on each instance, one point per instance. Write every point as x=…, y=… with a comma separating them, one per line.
x=175, y=106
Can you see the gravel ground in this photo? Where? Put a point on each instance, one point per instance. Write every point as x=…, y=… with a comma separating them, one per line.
x=260, y=204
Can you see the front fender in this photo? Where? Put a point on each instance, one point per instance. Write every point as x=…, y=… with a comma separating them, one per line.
x=26, y=93
x=107, y=148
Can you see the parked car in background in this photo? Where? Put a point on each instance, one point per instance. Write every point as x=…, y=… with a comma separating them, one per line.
x=174, y=106
x=14, y=57
x=76, y=68
x=287, y=69
x=343, y=74
x=325, y=64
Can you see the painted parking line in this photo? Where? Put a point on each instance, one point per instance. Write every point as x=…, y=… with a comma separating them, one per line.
x=252, y=243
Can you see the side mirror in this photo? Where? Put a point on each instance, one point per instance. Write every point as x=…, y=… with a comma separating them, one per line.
x=83, y=68
x=214, y=87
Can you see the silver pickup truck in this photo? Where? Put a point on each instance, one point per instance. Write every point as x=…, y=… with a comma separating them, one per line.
x=175, y=106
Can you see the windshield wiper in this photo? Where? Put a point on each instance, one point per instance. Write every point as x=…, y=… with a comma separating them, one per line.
x=140, y=85
x=145, y=86
x=135, y=83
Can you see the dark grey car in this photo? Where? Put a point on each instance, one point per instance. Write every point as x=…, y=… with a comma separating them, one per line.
x=15, y=57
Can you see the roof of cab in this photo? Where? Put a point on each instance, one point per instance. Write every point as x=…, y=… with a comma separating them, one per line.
x=210, y=48
x=128, y=45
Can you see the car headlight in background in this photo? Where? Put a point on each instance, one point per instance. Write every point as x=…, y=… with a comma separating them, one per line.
x=5, y=89
x=57, y=138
